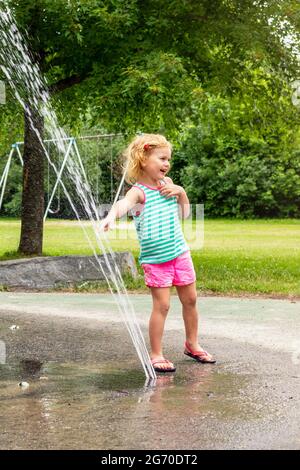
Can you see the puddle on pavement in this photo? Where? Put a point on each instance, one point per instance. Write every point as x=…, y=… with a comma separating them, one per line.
x=97, y=406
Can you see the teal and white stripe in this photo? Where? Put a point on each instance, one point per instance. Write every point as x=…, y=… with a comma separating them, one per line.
x=158, y=228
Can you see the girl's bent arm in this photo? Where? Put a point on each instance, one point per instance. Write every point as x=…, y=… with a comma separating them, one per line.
x=184, y=203
x=181, y=195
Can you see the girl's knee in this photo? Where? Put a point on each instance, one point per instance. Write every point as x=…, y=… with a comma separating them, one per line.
x=162, y=308
x=189, y=301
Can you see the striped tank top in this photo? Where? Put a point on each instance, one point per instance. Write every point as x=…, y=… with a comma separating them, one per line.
x=158, y=227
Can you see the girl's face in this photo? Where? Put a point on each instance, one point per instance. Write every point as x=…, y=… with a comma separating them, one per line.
x=157, y=164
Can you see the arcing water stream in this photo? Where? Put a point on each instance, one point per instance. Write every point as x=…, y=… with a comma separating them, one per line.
x=25, y=79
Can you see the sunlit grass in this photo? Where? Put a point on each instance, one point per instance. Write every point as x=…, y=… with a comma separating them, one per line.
x=257, y=256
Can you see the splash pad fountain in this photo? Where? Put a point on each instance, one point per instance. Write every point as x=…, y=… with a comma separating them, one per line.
x=25, y=78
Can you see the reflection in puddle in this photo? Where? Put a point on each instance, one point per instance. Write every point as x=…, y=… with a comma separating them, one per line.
x=115, y=409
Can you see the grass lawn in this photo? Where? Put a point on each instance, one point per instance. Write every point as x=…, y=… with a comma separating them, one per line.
x=237, y=257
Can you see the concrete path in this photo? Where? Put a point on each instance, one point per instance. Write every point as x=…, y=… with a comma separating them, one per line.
x=83, y=373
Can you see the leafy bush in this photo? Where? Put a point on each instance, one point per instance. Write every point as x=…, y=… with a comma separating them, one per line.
x=240, y=158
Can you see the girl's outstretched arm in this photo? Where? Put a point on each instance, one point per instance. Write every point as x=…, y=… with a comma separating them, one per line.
x=132, y=198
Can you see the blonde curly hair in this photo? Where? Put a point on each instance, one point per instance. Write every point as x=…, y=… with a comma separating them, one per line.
x=138, y=151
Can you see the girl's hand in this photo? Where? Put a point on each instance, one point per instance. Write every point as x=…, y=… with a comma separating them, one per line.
x=106, y=224
x=169, y=190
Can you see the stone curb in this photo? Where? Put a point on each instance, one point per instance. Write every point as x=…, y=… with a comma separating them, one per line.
x=52, y=271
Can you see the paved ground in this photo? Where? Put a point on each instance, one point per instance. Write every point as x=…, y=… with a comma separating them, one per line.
x=87, y=389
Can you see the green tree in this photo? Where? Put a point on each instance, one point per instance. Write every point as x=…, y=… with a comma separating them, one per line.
x=142, y=64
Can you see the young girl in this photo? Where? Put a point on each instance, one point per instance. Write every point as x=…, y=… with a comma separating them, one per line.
x=154, y=202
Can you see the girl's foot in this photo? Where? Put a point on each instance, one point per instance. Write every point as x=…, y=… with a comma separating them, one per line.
x=198, y=354
x=160, y=364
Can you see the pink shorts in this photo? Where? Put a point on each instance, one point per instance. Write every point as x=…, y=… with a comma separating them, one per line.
x=177, y=272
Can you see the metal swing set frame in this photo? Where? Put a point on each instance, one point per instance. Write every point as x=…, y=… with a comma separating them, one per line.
x=15, y=150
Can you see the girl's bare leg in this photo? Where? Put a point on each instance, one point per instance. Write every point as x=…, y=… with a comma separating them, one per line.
x=188, y=297
x=161, y=305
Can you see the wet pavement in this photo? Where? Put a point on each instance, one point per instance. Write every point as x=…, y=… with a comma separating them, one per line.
x=71, y=378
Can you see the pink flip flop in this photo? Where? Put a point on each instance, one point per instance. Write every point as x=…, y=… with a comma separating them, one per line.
x=162, y=360
x=199, y=356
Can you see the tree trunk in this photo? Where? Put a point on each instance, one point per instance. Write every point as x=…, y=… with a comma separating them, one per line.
x=31, y=241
